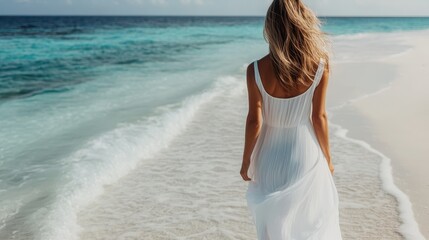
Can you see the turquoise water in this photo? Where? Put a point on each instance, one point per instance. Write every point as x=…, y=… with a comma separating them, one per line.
x=49, y=54
x=83, y=100
x=353, y=25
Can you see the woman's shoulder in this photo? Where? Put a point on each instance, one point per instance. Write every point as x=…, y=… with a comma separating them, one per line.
x=264, y=60
x=259, y=59
x=261, y=62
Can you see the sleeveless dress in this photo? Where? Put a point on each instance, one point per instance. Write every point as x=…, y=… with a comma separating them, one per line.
x=292, y=194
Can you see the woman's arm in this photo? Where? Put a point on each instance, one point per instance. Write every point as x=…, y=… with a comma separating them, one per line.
x=253, y=121
x=319, y=117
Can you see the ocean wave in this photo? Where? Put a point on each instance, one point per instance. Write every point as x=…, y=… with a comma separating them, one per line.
x=409, y=227
x=107, y=158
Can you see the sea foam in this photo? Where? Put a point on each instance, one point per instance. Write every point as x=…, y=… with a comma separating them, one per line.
x=105, y=159
x=409, y=227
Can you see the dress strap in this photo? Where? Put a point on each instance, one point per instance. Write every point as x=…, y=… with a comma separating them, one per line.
x=257, y=76
x=319, y=72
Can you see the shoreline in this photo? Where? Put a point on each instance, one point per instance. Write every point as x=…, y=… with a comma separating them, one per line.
x=379, y=118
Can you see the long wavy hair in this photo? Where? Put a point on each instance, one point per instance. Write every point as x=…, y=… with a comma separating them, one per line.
x=296, y=42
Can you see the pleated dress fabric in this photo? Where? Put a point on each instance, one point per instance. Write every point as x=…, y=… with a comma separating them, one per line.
x=292, y=195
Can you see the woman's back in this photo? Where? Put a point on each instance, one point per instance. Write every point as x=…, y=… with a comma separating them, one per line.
x=271, y=83
x=286, y=111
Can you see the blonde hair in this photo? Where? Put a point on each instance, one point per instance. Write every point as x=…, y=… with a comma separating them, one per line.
x=296, y=42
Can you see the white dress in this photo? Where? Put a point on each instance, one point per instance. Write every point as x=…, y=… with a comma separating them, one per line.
x=292, y=194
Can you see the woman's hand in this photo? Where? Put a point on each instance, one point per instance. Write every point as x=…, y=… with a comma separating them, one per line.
x=243, y=172
x=331, y=167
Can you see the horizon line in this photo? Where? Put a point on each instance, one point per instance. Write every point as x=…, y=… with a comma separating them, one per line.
x=168, y=15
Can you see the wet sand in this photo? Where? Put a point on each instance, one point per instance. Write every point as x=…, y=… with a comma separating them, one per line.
x=393, y=119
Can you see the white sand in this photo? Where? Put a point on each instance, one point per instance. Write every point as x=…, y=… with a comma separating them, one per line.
x=395, y=120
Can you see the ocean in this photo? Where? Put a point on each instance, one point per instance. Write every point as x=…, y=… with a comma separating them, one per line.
x=129, y=128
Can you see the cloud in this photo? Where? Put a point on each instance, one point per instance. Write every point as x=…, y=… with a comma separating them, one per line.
x=141, y=2
x=159, y=2
x=187, y=2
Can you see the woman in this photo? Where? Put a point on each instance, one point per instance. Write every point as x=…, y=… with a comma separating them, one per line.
x=287, y=161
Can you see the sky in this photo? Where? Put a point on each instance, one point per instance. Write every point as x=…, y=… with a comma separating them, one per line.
x=209, y=7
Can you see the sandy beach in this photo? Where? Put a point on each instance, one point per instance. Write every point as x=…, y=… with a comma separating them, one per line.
x=393, y=119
